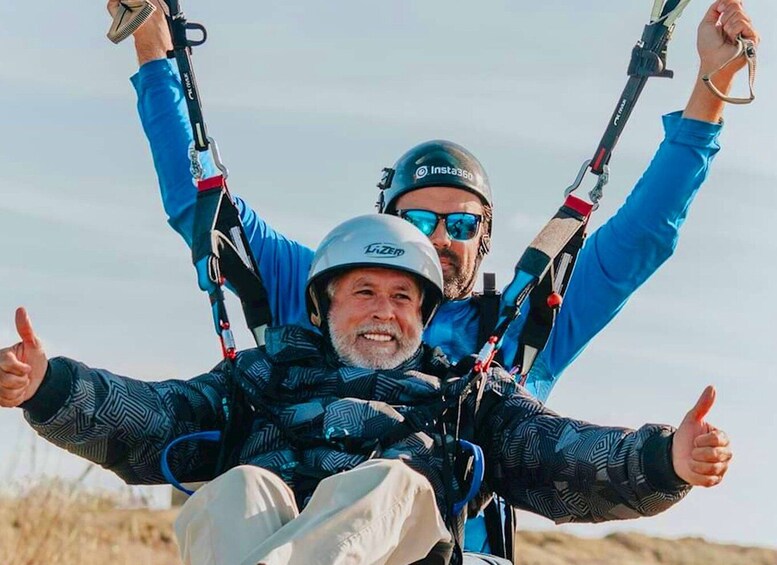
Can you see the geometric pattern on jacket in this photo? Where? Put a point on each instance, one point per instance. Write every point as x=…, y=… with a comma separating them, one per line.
x=564, y=469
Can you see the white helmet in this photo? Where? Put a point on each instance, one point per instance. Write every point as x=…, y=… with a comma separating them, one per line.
x=375, y=240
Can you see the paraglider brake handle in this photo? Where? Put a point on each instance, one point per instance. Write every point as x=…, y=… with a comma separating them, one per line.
x=746, y=49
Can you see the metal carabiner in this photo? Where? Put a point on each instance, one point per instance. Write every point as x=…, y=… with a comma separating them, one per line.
x=578, y=179
x=214, y=151
x=746, y=49
x=597, y=191
x=196, y=166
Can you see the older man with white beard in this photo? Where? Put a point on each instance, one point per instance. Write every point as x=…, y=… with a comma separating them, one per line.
x=378, y=344
x=346, y=426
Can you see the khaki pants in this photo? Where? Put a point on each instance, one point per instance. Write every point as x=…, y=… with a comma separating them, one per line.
x=380, y=512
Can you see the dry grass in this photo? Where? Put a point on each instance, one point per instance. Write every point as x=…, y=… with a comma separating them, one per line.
x=553, y=548
x=53, y=523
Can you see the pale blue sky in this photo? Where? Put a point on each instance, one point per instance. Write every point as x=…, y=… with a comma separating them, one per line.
x=308, y=101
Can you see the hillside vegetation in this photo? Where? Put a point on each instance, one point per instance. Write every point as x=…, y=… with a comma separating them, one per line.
x=61, y=524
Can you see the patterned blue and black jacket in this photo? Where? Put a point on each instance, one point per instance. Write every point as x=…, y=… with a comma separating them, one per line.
x=564, y=469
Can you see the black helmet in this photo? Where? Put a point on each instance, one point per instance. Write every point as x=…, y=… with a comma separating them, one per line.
x=433, y=163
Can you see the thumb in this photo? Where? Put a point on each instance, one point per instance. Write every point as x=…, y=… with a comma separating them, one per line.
x=703, y=405
x=24, y=328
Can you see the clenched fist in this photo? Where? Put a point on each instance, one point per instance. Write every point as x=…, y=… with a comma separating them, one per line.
x=717, y=34
x=152, y=39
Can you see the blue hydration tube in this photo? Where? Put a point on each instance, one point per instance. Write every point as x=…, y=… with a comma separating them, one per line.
x=214, y=436
x=478, y=472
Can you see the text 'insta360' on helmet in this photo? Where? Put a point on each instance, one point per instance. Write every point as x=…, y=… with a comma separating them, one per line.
x=375, y=240
x=433, y=163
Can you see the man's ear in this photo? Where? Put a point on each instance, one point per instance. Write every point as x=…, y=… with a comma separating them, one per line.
x=485, y=245
x=315, y=315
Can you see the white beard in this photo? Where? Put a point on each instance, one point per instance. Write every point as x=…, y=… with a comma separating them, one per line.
x=344, y=346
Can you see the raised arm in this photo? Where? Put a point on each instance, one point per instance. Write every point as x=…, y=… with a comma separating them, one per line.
x=643, y=234
x=283, y=263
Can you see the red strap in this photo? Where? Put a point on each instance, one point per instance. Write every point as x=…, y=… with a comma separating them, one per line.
x=598, y=161
x=210, y=183
x=580, y=206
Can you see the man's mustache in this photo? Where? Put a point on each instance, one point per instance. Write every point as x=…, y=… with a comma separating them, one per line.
x=450, y=256
x=387, y=329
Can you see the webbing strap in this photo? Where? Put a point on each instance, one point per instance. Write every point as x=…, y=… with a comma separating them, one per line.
x=220, y=248
x=554, y=236
x=555, y=246
x=488, y=310
x=181, y=52
x=546, y=298
x=221, y=252
x=495, y=529
x=548, y=262
x=511, y=528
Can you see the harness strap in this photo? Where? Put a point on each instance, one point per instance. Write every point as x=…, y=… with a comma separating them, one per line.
x=547, y=267
x=546, y=298
x=496, y=532
x=221, y=252
x=541, y=273
x=554, y=236
x=220, y=248
x=488, y=309
x=511, y=528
